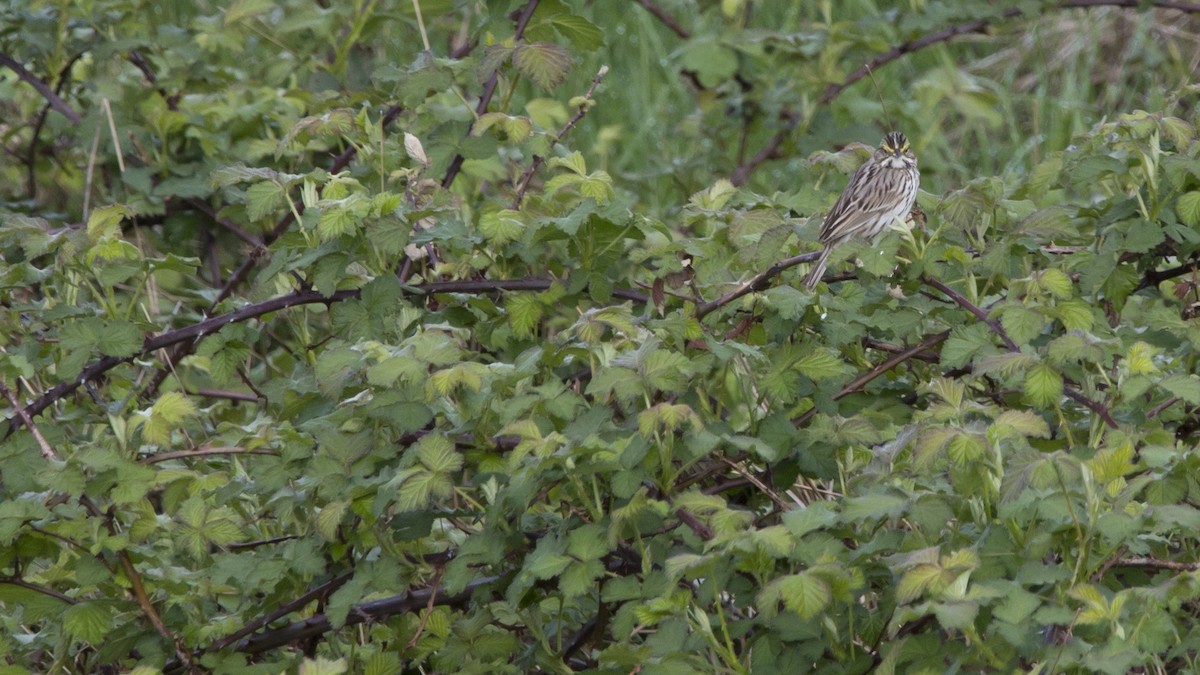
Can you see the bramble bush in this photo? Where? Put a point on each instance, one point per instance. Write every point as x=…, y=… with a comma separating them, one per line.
x=453, y=336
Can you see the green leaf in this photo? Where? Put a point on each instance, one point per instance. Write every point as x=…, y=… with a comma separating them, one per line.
x=1188, y=208
x=806, y=594
x=88, y=621
x=1186, y=387
x=437, y=453
x=1022, y=422
x=501, y=227
x=263, y=199
x=167, y=415
x=1139, y=360
x=105, y=222
x=545, y=63
x=524, y=313
x=583, y=34
x=819, y=364
x=544, y=563
x=1022, y=323
x=1043, y=386
x=964, y=343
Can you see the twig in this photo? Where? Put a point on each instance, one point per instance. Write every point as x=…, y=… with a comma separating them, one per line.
x=489, y=90
x=1093, y=405
x=971, y=307
x=1143, y=561
x=436, y=585
x=205, y=451
x=887, y=364
x=695, y=524
x=756, y=283
x=189, y=335
x=756, y=482
x=221, y=393
x=1162, y=406
x=47, y=93
x=368, y=611
x=523, y=183
x=1156, y=277
x=295, y=605
x=31, y=153
x=206, y=209
x=112, y=129
x=771, y=149
x=23, y=414
x=39, y=589
x=667, y=20
x=891, y=362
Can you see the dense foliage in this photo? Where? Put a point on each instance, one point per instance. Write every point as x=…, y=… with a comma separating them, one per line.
x=464, y=336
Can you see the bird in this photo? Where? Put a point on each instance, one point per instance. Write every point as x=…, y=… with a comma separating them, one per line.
x=882, y=190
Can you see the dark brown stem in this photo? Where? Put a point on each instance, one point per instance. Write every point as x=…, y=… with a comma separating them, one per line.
x=24, y=415
x=1093, y=405
x=376, y=610
x=756, y=283
x=190, y=335
x=695, y=524
x=887, y=364
x=891, y=362
x=40, y=589
x=489, y=90
x=320, y=591
x=771, y=149
x=44, y=89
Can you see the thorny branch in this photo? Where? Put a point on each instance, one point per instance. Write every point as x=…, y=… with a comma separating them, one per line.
x=771, y=149
x=523, y=183
x=190, y=335
x=44, y=89
x=1093, y=405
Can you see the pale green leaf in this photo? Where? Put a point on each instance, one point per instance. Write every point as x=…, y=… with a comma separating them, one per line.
x=1043, y=386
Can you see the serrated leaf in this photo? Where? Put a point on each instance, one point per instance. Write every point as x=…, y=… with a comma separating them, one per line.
x=1186, y=387
x=1043, y=386
x=105, y=221
x=545, y=63
x=87, y=621
x=915, y=582
x=806, y=594
x=1023, y=422
x=788, y=301
x=819, y=364
x=501, y=227
x=263, y=199
x=964, y=343
x=1022, y=323
x=1075, y=314
x=583, y=34
x=437, y=453
x=330, y=518
x=1054, y=281
x=1139, y=360
x=666, y=370
x=1187, y=207
x=524, y=313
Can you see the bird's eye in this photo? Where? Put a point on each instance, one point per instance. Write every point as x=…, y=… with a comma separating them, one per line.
x=904, y=148
x=887, y=148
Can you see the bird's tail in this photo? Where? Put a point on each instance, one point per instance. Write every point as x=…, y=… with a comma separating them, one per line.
x=818, y=269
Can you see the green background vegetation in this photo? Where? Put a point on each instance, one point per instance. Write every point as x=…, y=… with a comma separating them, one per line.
x=464, y=336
